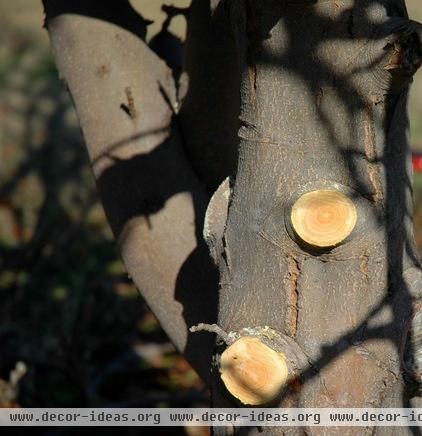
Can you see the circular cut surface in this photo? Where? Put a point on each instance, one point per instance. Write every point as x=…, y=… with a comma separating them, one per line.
x=323, y=218
x=253, y=372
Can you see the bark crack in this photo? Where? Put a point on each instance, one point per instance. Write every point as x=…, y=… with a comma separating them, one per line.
x=225, y=254
x=253, y=45
x=293, y=272
x=252, y=73
x=363, y=266
x=371, y=155
x=328, y=392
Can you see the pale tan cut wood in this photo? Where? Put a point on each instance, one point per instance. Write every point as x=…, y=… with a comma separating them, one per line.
x=253, y=372
x=323, y=218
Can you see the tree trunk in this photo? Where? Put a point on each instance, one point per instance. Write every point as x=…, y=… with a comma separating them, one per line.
x=312, y=231
x=323, y=113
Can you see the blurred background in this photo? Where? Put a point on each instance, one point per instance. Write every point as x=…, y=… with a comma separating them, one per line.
x=74, y=332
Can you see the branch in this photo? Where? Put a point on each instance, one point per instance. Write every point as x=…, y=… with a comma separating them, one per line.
x=124, y=95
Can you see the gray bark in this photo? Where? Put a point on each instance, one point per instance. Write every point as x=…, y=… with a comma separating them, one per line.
x=125, y=98
x=323, y=105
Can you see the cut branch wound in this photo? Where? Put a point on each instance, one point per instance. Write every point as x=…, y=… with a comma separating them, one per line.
x=323, y=218
x=253, y=372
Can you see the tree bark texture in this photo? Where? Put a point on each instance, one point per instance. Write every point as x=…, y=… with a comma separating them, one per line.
x=316, y=94
x=125, y=97
x=323, y=106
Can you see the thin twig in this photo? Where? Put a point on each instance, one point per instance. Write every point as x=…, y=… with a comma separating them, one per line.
x=212, y=328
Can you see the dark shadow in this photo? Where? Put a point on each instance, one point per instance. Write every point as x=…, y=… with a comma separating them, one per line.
x=167, y=45
x=120, y=13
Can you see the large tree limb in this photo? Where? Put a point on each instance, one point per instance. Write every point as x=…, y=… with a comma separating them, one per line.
x=125, y=99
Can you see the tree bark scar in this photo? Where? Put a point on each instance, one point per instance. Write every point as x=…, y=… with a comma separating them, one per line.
x=406, y=54
x=129, y=108
x=253, y=40
x=252, y=73
x=319, y=96
x=102, y=71
x=363, y=266
x=292, y=294
x=371, y=155
x=226, y=255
